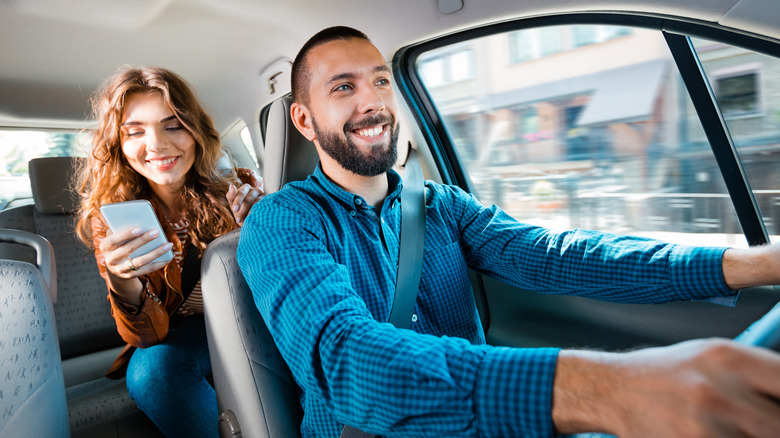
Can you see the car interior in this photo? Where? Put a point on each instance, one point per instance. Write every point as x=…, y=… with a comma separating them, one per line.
x=29, y=293
x=652, y=118
x=271, y=406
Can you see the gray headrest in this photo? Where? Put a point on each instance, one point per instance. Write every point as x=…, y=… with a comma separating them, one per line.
x=289, y=156
x=50, y=179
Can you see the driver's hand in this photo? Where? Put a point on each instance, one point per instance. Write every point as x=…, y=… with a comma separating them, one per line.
x=703, y=388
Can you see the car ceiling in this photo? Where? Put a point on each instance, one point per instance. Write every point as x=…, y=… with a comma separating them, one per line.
x=54, y=52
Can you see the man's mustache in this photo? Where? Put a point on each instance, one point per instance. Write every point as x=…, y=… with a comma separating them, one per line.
x=378, y=119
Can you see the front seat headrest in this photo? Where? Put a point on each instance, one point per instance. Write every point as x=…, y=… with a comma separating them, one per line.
x=50, y=179
x=289, y=156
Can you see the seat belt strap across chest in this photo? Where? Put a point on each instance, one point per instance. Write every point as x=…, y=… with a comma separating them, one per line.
x=410, y=244
x=410, y=254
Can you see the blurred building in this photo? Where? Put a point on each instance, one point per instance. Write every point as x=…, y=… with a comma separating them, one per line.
x=600, y=113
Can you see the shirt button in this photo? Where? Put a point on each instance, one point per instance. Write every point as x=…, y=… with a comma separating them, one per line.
x=358, y=201
x=352, y=213
x=414, y=317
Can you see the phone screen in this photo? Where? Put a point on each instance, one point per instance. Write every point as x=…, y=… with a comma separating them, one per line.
x=138, y=213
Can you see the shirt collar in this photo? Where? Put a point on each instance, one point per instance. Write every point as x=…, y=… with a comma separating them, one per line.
x=395, y=184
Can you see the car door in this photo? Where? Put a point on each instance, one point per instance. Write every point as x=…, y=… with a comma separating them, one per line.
x=631, y=125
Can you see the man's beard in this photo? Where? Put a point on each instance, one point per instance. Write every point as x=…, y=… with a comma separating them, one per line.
x=379, y=160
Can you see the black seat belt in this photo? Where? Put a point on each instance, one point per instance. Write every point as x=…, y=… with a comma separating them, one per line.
x=410, y=244
x=410, y=252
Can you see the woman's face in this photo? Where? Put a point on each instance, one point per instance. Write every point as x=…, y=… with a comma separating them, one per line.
x=155, y=143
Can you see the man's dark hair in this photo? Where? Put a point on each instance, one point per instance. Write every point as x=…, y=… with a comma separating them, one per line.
x=300, y=73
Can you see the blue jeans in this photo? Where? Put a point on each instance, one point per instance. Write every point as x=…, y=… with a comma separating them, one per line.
x=168, y=381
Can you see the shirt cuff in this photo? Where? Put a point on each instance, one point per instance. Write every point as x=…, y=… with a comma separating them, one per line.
x=514, y=392
x=729, y=301
x=697, y=274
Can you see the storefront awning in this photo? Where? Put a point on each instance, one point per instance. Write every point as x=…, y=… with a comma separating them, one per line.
x=619, y=95
x=624, y=95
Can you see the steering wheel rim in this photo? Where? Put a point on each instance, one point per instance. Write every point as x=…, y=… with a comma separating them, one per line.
x=765, y=332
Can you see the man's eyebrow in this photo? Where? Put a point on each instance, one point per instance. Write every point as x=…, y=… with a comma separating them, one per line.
x=132, y=122
x=341, y=76
x=381, y=68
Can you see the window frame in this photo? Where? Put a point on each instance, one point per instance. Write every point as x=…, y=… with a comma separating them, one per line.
x=676, y=32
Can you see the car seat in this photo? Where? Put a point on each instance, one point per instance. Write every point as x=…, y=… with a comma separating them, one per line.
x=88, y=339
x=32, y=389
x=256, y=394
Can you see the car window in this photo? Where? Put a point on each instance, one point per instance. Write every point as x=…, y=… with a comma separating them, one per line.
x=19, y=146
x=237, y=141
x=746, y=85
x=588, y=126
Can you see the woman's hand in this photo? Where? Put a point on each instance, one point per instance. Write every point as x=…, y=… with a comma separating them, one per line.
x=123, y=271
x=242, y=199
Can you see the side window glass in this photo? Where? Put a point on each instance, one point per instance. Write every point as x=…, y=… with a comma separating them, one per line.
x=237, y=141
x=18, y=147
x=747, y=90
x=586, y=126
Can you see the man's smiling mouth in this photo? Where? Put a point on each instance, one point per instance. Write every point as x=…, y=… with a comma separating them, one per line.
x=370, y=127
x=370, y=132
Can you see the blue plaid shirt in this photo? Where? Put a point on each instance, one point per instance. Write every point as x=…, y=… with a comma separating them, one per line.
x=322, y=266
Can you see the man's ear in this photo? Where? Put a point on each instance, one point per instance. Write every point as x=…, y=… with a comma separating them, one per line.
x=301, y=118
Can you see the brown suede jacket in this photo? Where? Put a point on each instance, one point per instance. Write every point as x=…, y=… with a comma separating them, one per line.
x=162, y=295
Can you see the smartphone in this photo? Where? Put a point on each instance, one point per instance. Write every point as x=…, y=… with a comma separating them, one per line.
x=131, y=214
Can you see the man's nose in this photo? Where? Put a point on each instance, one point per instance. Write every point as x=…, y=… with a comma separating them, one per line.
x=370, y=100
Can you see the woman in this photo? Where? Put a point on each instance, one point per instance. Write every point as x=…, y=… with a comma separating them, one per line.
x=154, y=141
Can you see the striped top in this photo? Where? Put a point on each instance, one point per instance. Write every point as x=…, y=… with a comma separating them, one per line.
x=194, y=303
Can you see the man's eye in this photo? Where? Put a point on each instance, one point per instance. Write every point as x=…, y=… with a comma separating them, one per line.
x=343, y=87
x=383, y=81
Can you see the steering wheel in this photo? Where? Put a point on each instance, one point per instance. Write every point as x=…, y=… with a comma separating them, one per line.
x=765, y=332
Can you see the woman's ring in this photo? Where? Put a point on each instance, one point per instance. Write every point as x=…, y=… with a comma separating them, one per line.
x=130, y=265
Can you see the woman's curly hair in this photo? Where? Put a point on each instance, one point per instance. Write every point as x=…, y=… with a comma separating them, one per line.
x=106, y=176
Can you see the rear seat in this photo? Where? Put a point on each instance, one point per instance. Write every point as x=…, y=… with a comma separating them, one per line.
x=32, y=400
x=88, y=338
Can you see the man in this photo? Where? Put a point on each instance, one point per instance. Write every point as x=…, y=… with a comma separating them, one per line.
x=321, y=258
